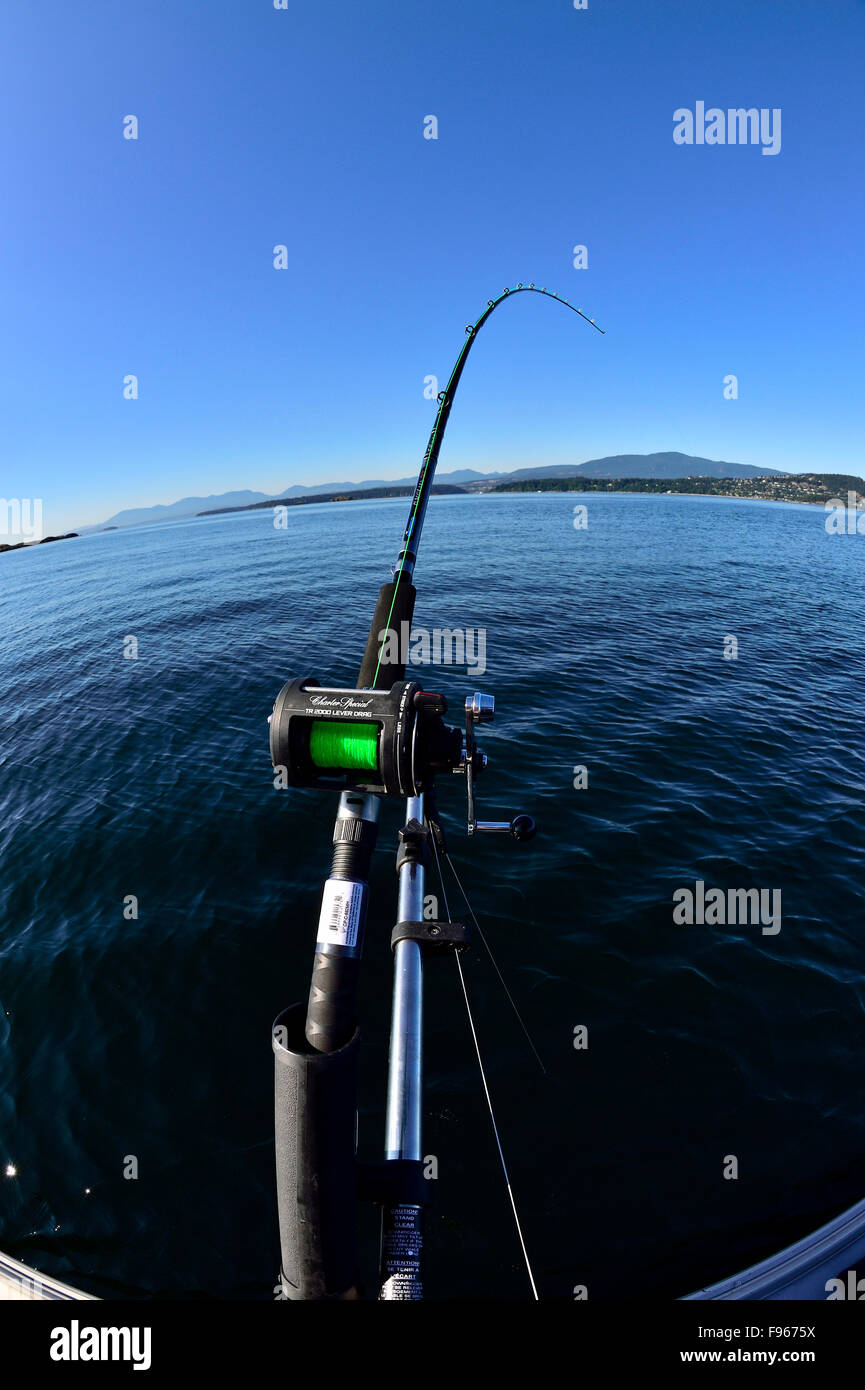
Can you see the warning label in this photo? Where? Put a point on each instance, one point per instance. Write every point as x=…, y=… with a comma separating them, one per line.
x=402, y=1244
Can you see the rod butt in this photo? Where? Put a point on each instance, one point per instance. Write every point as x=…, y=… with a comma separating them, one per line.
x=315, y=1105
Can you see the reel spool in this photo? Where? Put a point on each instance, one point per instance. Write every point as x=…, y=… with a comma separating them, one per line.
x=387, y=742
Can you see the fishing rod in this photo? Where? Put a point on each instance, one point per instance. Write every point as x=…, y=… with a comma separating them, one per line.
x=386, y=737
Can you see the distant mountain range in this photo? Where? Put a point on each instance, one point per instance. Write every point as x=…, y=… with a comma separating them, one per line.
x=647, y=466
x=187, y=506
x=367, y=494
x=669, y=465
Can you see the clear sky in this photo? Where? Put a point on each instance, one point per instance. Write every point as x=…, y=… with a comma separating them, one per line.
x=304, y=126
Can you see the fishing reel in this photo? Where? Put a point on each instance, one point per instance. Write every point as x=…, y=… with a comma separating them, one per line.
x=381, y=742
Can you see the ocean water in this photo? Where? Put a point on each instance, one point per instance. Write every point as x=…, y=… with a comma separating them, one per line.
x=143, y=1045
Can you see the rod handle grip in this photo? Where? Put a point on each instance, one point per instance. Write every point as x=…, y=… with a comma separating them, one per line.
x=331, y=1009
x=394, y=606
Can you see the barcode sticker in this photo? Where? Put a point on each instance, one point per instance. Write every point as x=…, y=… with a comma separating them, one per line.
x=341, y=912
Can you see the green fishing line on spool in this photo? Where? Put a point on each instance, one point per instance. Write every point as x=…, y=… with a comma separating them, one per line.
x=339, y=743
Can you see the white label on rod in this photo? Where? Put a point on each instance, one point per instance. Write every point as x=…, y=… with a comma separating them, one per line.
x=341, y=911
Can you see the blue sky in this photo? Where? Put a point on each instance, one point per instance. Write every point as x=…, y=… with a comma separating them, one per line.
x=304, y=127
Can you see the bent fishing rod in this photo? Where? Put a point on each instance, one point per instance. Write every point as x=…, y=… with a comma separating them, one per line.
x=384, y=738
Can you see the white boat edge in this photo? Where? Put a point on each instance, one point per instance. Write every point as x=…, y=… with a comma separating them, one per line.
x=802, y=1270
x=18, y=1282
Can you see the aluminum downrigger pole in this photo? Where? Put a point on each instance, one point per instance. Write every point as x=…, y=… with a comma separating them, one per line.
x=316, y=1051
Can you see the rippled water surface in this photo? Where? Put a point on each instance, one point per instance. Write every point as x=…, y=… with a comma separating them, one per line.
x=150, y=1038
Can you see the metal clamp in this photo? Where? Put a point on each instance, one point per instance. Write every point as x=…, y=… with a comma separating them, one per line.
x=434, y=938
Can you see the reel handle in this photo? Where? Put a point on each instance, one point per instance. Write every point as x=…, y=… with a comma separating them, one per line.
x=480, y=709
x=521, y=827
